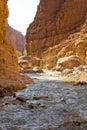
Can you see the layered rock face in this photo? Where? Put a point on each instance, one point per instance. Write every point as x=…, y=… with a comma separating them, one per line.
x=9, y=71
x=8, y=59
x=58, y=30
x=15, y=38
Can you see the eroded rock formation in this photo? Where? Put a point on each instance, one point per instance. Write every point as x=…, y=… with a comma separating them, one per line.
x=8, y=59
x=9, y=71
x=58, y=30
x=28, y=61
x=15, y=38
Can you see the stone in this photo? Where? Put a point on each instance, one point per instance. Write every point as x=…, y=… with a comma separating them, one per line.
x=28, y=61
x=67, y=71
x=18, y=100
x=67, y=62
x=80, y=83
x=21, y=99
x=37, y=70
x=34, y=105
x=40, y=97
x=25, y=70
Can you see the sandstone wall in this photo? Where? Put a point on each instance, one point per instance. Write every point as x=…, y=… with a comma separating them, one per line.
x=57, y=27
x=10, y=80
x=8, y=59
x=15, y=38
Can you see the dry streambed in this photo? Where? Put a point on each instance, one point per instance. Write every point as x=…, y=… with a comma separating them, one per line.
x=48, y=104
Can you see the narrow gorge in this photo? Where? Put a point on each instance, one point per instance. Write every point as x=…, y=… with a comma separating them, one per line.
x=45, y=89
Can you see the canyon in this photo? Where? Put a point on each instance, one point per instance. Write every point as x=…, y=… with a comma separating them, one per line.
x=56, y=40
x=58, y=34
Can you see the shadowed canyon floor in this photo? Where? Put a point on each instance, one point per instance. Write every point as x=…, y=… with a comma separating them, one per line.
x=48, y=104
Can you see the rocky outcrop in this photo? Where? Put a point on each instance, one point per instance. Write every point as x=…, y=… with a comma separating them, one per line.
x=28, y=61
x=68, y=62
x=9, y=71
x=77, y=75
x=15, y=38
x=58, y=30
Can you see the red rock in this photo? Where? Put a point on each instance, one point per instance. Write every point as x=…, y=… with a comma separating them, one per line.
x=15, y=38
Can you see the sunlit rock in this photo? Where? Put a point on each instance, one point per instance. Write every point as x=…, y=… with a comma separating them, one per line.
x=10, y=80
x=68, y=62
x=59, y=29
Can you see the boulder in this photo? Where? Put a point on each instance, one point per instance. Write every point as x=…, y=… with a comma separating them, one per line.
x=68, y=63
x=67, y=71
x=25, y=70
x=28, y=61
x=37, y=70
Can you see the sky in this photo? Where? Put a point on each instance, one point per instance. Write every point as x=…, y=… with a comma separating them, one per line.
x=21, y=13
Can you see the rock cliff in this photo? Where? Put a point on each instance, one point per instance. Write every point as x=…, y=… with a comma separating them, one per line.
x=8, y=59
x=59, y=30
x=15, y=38
x=9, y=71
